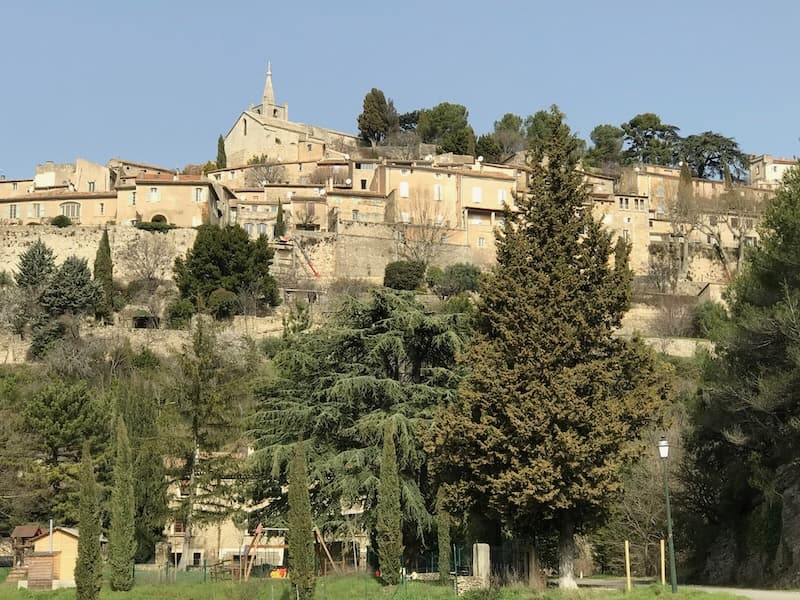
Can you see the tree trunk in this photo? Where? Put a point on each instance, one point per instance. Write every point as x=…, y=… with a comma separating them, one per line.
x=184, y=563
x=566, y=554
x=536, y=578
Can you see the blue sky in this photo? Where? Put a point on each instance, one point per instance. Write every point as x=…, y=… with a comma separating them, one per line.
x=157, y=82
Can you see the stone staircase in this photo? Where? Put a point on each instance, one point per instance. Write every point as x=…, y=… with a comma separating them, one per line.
x=17, y=574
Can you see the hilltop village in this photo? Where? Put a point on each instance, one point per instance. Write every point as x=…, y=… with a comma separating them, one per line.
x=350, y=208
x=197, y=333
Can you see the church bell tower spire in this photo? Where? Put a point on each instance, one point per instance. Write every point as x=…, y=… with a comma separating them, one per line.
x=269, y=94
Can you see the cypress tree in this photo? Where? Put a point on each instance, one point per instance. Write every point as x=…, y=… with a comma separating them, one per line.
x=222, y=160
x=104, y=278
x=89, y=566
x=548, y=416
x=280, y=223
x=122, y=534
x=301, y=528
x=389, y=525
x=443, y=533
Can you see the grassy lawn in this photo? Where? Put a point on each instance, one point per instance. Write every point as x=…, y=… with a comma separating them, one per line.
x=4, y=573
x=350, y=588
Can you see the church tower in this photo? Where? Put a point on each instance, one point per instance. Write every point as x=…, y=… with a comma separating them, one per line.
x=268, y=106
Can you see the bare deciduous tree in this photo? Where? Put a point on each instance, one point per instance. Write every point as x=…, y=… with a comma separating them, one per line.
x=423, y=229
x=148, y=256
x=262, y=170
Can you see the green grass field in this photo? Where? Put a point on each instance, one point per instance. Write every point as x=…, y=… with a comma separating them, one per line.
x=350, y=588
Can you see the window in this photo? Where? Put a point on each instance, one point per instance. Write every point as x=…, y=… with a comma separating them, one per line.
x=354, y=215
x=153, y=195
x=476, y=195
x=624, y=203
x=36, y=210
x=196, y=558
x=178, y=527
x=501, y=197
x=12, y=211
x=262, y=229
x=437, y=191
x=626, y=235
x=277, y=141
x=132, y=199
x=404, y=217
x=198, y=194
x=308, y=147
x=404, y=189
x=14, y=186
x=91, y=186
x=481, y=242
x=734, y=222
x=71, y=210
x=363, y=184
x=102, y=209
x=244, y=123
x=248, y=227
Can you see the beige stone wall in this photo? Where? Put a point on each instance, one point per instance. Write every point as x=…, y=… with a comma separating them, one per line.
x=82, y=242
x=10, y=188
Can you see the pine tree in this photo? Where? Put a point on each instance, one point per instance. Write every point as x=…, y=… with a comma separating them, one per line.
x=36, y=265
x=280, y=222
x=71, y=289
x=389, y=524
x=222, y=160
x=546, y=418
x=301, y=528
x=443, y=534
x=104, y=278
x=375, y=119
x=89, y=566
x=122, y=534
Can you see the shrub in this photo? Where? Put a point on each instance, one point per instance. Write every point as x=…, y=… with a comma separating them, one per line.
x=45, y=334
x=222, y=303
x=457, y=279
x=179, y=313
x=154, y=227
x=61, y=221
x=404, y=274
x=709, y=320
x=433, y=277
x=146, y=359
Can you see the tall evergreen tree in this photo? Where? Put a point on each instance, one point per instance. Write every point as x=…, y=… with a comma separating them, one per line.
x=548, y=414
x=104, y=278
x=383, y=358
x=388, y=527
x=89, y=566
x=222, y=160
x=744, y=448
x=300, y=537
x=122, y=534
x=209, y=397
x=443, y=535
x=377, y=118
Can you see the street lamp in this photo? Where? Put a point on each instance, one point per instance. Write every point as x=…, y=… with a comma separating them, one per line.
x=663, y=452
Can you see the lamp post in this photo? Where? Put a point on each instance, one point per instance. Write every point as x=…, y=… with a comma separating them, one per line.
x=663, y=452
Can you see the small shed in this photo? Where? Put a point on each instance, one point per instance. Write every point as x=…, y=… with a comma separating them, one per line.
x=21, y=538
x=61, y=557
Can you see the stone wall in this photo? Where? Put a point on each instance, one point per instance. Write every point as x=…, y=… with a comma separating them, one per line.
x=82, y=242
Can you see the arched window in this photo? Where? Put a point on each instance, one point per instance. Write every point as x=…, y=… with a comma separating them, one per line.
x=158, y=219
x=248, y=227
x=71, y=210
x=262, y=229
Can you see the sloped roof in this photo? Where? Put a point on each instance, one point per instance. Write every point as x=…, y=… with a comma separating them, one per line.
x=26, y=530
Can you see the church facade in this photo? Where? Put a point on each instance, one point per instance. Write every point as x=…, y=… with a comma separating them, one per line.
x=265, y=130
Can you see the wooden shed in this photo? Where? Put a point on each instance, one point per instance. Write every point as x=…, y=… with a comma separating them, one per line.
x=57, y=563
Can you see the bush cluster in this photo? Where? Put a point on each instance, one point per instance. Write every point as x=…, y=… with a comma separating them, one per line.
x=404, y=274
